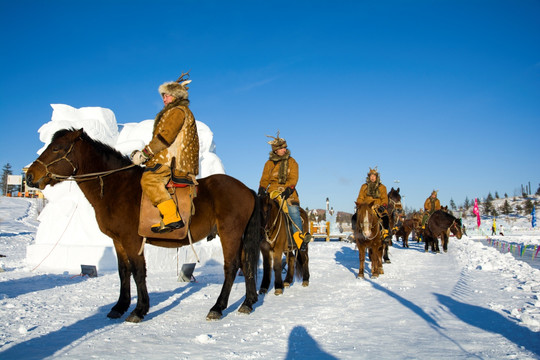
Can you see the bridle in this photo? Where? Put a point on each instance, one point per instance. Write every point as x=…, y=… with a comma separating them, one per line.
x=78, y=178
x=360, y=223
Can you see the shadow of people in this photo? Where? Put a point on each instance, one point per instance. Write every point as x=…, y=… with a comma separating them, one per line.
x=303, y=346
x=348, y=258
x=490, y=320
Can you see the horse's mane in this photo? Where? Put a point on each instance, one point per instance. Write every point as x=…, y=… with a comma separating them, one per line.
x=102, y=148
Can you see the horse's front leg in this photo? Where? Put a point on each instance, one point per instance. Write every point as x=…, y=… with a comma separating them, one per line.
x=230, y=270
x=138, y=268
x=124, y=299
x=290, y=269
x=304, y=263
x=278, y=280
x=362, y=258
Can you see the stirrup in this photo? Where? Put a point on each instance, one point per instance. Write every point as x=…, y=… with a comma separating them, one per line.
x=161, y=228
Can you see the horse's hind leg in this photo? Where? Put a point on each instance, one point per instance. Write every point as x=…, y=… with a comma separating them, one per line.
x=278, y=280
x=385, y=254
x=267, y=263
x=303, y=264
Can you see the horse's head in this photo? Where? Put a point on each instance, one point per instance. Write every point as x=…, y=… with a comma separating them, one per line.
x=366, y=220
x=57, y=161
x=457, y=228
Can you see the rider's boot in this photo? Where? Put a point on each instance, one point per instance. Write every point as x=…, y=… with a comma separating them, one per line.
x=302, y=239
x=386, y=236
x=171, y=218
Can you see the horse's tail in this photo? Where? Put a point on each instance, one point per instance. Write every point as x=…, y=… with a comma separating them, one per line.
x=252, y=239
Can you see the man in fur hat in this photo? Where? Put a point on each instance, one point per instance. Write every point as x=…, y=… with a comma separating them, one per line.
x=431, y=205
x=174, y=137
x=280, y=174
x=374, y=190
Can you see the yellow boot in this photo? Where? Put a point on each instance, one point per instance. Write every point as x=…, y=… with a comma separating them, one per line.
x=171, y=219
x=301, y=240
x=386, y=236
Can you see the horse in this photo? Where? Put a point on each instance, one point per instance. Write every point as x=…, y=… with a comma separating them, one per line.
x=368, y=235
x=407, y=227
x=395, y=216
x=439, y=223
x=278, y=241
x=111, y=183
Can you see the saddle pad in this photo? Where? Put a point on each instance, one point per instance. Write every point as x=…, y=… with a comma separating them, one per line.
x=149, y=214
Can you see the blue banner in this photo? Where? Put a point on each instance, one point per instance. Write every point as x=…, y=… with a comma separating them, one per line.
x=533, y=215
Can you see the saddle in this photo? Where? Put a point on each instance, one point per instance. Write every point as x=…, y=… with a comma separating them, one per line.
x=183, y=192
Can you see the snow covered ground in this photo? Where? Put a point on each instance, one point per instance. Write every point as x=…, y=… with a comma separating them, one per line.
x=472, y=302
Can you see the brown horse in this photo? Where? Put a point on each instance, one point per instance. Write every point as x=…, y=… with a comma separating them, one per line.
x=368, y=235
x=407, y=227
x=278, y=241
x=395, y=216
x=112, y=185
x=439, y=223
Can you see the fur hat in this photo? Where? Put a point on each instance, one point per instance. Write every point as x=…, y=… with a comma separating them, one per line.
x=434, y=192
x=277, y=143
x=178, y=88
x=373, y=171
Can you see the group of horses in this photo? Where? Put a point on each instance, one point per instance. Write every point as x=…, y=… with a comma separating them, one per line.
x=247, y=224
x=368, y=235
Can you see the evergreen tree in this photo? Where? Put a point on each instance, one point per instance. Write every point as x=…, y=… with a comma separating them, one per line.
x=538, y=190
x=519, y=209
x=489, y=197
x=505, y=195
x=505, y=208
x=488, y=206
x=5, y=172
x=528, y=206
x=452, y=204
x=496, y=195
x=466, y=204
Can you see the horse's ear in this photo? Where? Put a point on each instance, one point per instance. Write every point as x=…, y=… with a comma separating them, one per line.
x=371, y=203
x=79, y=132
x=397, y=189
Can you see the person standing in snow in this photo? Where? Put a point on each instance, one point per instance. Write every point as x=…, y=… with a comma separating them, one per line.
x=431, y=205
x=175, y=137
x=501, y=230
x=374, y=190
x=494, y=228
x=280, y=175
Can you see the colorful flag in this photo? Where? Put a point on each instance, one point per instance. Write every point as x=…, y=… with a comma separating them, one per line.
x=476, y=211
x=533, y=215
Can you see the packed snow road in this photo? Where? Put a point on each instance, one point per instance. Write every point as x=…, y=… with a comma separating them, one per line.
x=471, y=302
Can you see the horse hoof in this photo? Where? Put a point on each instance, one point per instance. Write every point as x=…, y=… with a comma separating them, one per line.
x=213, y=315
x=286, y=284
x=374, y=276
x=134, y=318
x=387, y=262
x=360, y=276
x=113, y=314
x=278, y=292
x=305, y=283
x=244, y=309
x=263, y=291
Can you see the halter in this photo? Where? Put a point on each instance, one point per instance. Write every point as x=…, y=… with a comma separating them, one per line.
x=272, y=228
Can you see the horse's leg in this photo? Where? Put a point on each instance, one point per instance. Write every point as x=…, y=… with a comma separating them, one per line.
x=267, y=263
x=385, y=254
x=278, y=280
x=376, y=260
x=231, y=244
x=124, y=300
x=362, y=257
x=445, y=242
x=290, y=269
x=303, y=258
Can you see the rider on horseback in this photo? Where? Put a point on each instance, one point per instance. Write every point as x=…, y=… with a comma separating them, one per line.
x=280, y=175
x=431, y=205
x=174, y=137
x=374, y=190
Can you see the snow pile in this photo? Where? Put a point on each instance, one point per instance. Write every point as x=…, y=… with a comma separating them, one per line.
x=68, y=235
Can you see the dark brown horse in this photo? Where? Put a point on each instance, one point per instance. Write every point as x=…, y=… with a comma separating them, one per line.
x=368, y=235
x=439, y=223
x=395, y=216
x=277, y=242
x=112, y=185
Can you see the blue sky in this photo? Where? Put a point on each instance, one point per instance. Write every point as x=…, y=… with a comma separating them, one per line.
x=438, y=94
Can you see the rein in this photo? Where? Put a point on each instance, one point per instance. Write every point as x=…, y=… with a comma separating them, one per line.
x=376, y=233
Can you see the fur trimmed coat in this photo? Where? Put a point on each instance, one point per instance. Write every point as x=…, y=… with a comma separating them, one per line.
x=175, y=135
x=363, y=196
x=269, y=178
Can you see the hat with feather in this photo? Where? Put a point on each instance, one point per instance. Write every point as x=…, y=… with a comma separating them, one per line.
x=277, y=142
x=178, y=88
